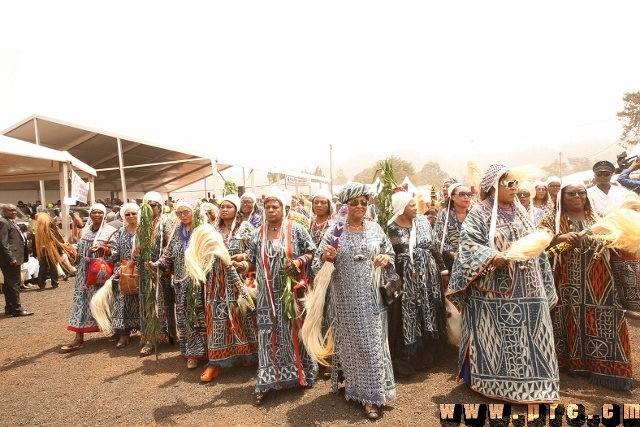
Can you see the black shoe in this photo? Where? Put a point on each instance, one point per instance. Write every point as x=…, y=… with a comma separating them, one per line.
x=20, y=313
x=54, y=285
x=40, y=288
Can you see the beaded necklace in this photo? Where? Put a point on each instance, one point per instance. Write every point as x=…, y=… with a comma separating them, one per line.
x=359, y=254
x=277, y=245
x=317, y=230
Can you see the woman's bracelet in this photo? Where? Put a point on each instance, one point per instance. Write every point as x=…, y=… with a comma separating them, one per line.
x=243, y=266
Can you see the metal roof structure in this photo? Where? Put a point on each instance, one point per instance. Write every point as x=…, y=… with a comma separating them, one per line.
x=123, y=163
x=24, y=162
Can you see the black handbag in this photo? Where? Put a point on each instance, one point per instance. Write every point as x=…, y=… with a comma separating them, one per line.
x=391, y=291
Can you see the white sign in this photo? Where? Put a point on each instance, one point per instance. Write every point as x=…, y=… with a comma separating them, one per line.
x=79, y=188
x=295, y=181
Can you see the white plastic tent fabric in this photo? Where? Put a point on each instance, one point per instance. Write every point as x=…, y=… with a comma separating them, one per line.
x=22, y=161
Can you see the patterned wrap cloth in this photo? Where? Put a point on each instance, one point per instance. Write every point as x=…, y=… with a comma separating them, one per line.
x=507, y=346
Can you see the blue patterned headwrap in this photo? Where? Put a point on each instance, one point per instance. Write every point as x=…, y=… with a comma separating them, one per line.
x=353, y=190
x=491, y=176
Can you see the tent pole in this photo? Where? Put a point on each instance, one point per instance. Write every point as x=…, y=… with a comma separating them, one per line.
x=43, y=195
x=214, y=173
x=64, y=194
x=120, y=162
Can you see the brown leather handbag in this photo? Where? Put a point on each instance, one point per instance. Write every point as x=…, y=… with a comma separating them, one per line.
x=129, y=278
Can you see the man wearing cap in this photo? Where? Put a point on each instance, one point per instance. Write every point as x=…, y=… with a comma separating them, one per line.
x=603, y=194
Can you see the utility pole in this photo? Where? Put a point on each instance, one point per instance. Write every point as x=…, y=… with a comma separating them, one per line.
x=561, y=165
x=331, y=168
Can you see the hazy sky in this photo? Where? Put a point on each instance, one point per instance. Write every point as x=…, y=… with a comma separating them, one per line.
x=274, y=83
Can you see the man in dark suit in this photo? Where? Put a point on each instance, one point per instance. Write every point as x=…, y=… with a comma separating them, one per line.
x=13, y=253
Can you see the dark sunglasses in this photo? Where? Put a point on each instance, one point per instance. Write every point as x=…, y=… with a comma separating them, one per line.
x=154, y=205
x=575, y=193
x=509, y=184
x=131, y=214
x=603, y=173
x=554, y=185
x=356, y=202
x=524, y=194
x=463, y=194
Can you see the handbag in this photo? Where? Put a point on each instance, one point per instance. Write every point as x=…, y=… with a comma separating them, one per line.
x=391, y=291
x=98, y=271
x=129, y=278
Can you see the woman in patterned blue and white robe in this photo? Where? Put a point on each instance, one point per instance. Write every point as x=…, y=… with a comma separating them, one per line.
x=192, y=337
x=97, y=239
x=507, y=346
x=283, y=361
x=361, y=345
x=125, y=315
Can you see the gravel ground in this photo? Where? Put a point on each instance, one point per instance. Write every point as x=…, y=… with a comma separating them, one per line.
x=104, y=386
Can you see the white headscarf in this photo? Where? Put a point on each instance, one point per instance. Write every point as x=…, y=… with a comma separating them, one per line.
x=129, y=206
x=233, y=199
x=553, y=179
x=153, y=196
x=278, y=194
x=399, y=202
x=89, y=224
x=559, y=200
x=327, y=195
x=186, y=203
x=250, y=195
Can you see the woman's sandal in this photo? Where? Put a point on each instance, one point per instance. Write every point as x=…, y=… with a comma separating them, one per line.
x=209, y=373
x=147, y=349
x=260, y=398
x=371, y=411
x=72, y=346
x=192, y=363
x=123, y=341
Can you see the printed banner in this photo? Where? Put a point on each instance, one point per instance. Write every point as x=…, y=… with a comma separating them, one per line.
x=79, y=188
x=295, y=181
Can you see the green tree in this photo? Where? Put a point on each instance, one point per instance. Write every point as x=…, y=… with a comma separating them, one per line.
x=400, y=167
x=318, y=171
x=629, y=118
x=430, y=174
x=556, y=168
x=340, y=178
x=579, y=164
x=274, y=177
x=572, y=165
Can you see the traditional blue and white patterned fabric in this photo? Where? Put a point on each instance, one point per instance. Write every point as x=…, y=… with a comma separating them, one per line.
x=125, y=316
x=283, y=361
x=193, y=346
x=361, y=345
x=421, y=280
x=81, y=319
x=507, y=335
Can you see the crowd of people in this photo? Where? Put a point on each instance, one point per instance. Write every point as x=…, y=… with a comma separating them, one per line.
x=228, y=280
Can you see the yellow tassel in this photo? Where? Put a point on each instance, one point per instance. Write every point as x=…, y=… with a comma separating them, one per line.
x=206, y=243
x=527, y=173
x=475, y=175
x=319, y=347
x=620, y=229
x=101, y=307
x=529, y=246
x=454, y=320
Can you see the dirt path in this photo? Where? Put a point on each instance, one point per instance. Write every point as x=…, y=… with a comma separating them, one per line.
x=104, y=386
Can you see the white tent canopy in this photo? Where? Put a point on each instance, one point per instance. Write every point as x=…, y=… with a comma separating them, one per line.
x=22, y=161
